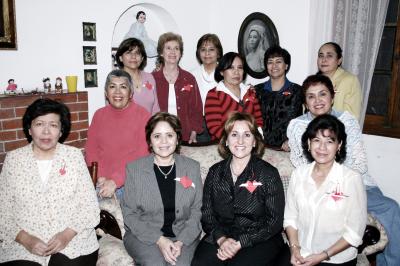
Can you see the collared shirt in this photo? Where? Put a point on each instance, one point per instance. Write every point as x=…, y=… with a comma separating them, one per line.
x=322, y=215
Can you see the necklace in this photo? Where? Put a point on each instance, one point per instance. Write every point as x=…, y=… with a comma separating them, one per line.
x=234, y=175
x=171, y=78
x=165, y=174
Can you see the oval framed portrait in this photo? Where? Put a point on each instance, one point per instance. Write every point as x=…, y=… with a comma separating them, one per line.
x=257, y=33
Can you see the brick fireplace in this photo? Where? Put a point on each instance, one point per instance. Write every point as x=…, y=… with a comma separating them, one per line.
x=12, y=108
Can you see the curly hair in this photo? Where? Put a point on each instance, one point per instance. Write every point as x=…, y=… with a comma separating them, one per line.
x=163, y=39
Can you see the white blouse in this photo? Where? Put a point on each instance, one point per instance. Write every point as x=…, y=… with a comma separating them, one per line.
x=321, y=216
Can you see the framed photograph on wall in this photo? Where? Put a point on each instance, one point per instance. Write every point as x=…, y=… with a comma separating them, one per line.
x=257, y=33
x=89, y=55
x=89, y=31
x=90, y=77
x=8, y=33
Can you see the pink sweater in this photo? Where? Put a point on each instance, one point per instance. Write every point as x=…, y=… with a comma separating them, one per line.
x=116, y=137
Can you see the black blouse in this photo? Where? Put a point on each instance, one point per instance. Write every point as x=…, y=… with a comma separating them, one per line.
x=278, y=108
x=233, y=211
x=167, y=188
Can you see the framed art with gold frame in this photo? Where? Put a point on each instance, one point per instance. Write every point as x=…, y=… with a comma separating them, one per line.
x=8, y=32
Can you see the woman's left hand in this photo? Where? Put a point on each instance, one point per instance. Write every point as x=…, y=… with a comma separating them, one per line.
x=313, y=259
x=228, y=249
x=59, y=241
x=107, y=188
x=192, y=138
x=285, y=146
x=177, y=252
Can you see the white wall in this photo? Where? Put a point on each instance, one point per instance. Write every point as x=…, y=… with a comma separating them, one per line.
x=49, y=34
x=383, y=162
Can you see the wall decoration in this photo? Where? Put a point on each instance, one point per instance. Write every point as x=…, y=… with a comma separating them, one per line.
x=89, y=31
x=8, y=33
x=89, y=55
x=257, y=33
x=90, y=76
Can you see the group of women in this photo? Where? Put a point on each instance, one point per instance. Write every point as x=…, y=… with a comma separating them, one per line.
x=50, y=209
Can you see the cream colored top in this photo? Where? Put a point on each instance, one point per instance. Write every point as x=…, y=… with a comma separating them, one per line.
x=67, y=199
x=322, y=215
x=347, y=92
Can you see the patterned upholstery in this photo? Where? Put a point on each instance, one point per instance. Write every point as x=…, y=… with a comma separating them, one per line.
x=112, y=251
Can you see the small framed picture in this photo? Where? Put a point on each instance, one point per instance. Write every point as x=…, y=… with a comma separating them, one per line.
x=89, y=31
x=257, y=33
x=89, y=55
x=90, y=76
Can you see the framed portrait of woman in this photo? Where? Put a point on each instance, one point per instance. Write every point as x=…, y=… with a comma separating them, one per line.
x=257, y=33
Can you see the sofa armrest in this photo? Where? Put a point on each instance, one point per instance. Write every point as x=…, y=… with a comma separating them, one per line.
x=383, y=239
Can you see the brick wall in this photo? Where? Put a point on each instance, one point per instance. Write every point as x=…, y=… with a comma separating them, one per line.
x=12, y=109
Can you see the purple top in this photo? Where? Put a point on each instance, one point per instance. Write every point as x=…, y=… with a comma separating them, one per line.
x=147, y=97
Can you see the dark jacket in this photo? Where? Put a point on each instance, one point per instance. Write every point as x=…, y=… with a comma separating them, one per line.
x=278, y=108
x=233, y=211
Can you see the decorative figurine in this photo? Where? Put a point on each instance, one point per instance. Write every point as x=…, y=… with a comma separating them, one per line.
x=46, y=85
x=58, y=86
x=12, y=87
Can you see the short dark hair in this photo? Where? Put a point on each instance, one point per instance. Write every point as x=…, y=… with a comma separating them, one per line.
x=46, y=106
x=171, y=119
x=139, y=13
x=315, y=80
x=277, y=51
x=225, y=63
x=128, y=45
x=320, y=124
x=119, y=73
x=224, y=151
x=212, y=38
x=167, y=37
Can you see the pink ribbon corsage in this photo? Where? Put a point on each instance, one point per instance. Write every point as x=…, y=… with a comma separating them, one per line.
x=148, y=85
x=337, y=194
x=187, y=88
x=286, y=93
x=251, y=185
x=62, y=170
x=185, y=181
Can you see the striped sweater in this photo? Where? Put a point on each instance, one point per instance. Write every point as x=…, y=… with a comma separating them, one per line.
x=220, y=103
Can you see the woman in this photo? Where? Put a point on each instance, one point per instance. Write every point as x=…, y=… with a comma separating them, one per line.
x=255, y=47
x=243, y=201
x=280, y=99
x=162, y=201
x=325, y=212
x=49, y=207
x=177, y=89
x=131, y=57
x=209, y=51
x=230, y=95
x=138, y=31
x=116, y=134
x=318, y=94
x=346, y=85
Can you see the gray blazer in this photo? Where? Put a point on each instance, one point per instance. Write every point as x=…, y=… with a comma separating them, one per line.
x=142, y=206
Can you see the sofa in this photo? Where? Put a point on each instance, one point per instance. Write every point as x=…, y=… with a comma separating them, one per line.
x=113, y=253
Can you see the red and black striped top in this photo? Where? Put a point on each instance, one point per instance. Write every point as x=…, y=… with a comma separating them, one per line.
x=219, y=104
